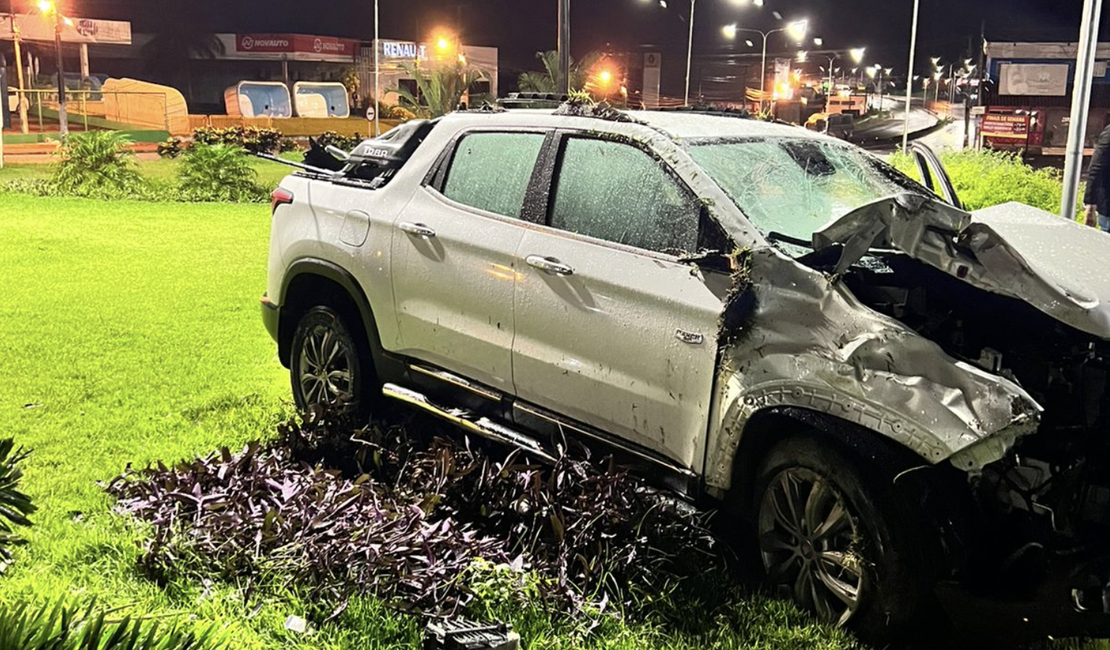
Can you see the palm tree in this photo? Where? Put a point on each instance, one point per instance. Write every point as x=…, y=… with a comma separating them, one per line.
x=439, y=87
x=14, y=505
x=179, y=39
x=547, y=81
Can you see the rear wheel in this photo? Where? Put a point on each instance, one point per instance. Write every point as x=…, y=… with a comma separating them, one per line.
x=831, y=540
x=329, y=367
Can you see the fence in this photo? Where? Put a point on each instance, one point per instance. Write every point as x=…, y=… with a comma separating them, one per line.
x=101, y=109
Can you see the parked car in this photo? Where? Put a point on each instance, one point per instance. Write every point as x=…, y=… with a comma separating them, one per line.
x=904, y=403
x=837, y=125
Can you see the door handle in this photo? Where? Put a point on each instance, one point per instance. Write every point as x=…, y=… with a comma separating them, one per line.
x=417, y=229
x=548, y=265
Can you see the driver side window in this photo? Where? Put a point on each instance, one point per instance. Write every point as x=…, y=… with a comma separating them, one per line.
x=618, y=193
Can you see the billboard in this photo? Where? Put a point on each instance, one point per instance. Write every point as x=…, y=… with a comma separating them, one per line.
x=33, y=27
x=1005, y=127
x=1039, y=79
x=323, y=46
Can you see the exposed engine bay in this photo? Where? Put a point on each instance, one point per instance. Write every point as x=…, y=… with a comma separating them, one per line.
x=1050, y=495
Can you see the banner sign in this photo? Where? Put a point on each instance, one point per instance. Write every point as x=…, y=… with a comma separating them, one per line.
x=327, y=46
x=1040, y=79
x=35, y=27
x=1006, y=127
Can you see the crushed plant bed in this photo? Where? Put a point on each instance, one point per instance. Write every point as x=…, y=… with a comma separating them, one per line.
x=400, y=510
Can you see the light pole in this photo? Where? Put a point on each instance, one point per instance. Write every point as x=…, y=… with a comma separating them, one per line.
x=690, y=52
x=831, y=59
x=909, y=77
x=49, y=8
x=377, y=73
x=797, y=29
x=564, y=47
x=1080, y=102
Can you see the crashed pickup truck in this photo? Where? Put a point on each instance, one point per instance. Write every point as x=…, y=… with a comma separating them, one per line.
x=903, y=405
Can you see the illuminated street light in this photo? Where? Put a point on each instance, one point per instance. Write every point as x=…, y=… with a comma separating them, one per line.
x=605, y=77
x=796, y=30
x=803, y=56
x=857, y=54
x=749, y=43
x=819, y=42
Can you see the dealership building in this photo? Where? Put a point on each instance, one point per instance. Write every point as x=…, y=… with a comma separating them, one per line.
x=289, y=58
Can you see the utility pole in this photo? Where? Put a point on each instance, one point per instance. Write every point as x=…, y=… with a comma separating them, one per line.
x=21, y=97
x=63, y=119
x=564, y=47
x=1080, y=103
x=377, y=72
x=690, y=51
x=909, y=77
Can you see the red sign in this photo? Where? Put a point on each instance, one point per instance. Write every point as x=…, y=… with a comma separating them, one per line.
x=1006, y=127
x=295, y=44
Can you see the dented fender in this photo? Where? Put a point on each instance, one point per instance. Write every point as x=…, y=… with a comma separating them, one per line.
x=796, y=337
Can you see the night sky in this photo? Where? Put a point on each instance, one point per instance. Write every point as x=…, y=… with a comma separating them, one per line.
x=521, y=27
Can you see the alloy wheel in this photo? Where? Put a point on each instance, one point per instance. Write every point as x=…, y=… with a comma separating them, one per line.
x=809, y=541
x=326, y=363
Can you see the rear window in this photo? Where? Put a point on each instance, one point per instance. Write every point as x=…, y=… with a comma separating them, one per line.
x=491, y=171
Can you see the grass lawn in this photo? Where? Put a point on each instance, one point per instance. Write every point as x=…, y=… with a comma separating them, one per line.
x=129, y=334
x=269, y=173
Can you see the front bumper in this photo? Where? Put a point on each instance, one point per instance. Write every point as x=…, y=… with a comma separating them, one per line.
x=1064, y=594
x=271, y=316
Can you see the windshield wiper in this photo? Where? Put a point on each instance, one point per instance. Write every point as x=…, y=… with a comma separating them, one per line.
x=787, y=239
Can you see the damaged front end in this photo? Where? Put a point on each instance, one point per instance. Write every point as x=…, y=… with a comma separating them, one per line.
x=1020, y=296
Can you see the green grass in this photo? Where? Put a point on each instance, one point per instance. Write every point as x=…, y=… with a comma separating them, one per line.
x=129, y=334
x=269, y=173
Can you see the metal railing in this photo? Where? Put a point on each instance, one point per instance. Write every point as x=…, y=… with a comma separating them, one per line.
x=90, y=109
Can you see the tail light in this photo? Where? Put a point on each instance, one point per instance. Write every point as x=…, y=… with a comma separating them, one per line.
x=280, y=197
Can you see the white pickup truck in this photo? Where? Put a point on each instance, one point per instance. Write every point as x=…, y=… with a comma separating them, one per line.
x=902, y=403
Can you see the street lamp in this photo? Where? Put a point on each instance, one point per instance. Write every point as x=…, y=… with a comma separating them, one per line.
x=796, y=30
x=47, y=8
x=690, y=46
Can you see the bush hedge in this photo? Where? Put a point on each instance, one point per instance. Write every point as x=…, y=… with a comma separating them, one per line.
x=986, y=178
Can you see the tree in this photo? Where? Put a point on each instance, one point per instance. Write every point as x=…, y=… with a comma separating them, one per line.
x=180, y=38
x=439, y=86
x=548, y=80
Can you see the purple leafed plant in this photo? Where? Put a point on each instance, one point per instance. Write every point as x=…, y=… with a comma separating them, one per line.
x=400, y=511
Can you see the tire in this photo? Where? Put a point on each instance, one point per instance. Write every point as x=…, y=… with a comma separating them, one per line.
x=833, y=541
x=329, y=367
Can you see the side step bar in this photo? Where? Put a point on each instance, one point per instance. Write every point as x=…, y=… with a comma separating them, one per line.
x=482, y=426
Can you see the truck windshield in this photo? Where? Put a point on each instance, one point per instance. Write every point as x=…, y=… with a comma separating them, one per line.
x=796, y=186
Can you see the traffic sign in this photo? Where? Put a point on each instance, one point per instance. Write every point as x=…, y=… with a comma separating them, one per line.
x=371, y=113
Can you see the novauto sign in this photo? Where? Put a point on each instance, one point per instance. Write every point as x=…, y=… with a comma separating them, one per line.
x=295, y=44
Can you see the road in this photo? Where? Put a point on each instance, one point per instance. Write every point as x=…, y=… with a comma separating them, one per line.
x=883, y=130
x=948, y=137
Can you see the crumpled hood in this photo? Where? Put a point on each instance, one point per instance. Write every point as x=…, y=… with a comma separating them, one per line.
x=1058, y=266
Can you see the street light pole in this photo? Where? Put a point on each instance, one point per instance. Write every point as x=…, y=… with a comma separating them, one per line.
x=690, y=52
x=909, y=77
x=22, y=97
x=1080, y=102
x=564, y=47
x=377, y=72
x=63, y=119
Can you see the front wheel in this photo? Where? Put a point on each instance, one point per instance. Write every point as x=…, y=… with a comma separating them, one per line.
x=329, y=367
x=831, y=541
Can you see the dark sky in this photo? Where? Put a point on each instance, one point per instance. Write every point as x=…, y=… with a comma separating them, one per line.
x=521, y=27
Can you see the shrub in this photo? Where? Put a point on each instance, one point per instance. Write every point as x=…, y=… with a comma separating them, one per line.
x=252, y=138
x=171, y=148
x=15, y=506
x=219, y=172
x=96, y=164
x=61, y=626
x=346, y=143
x=419, y=518
x=986, y=178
